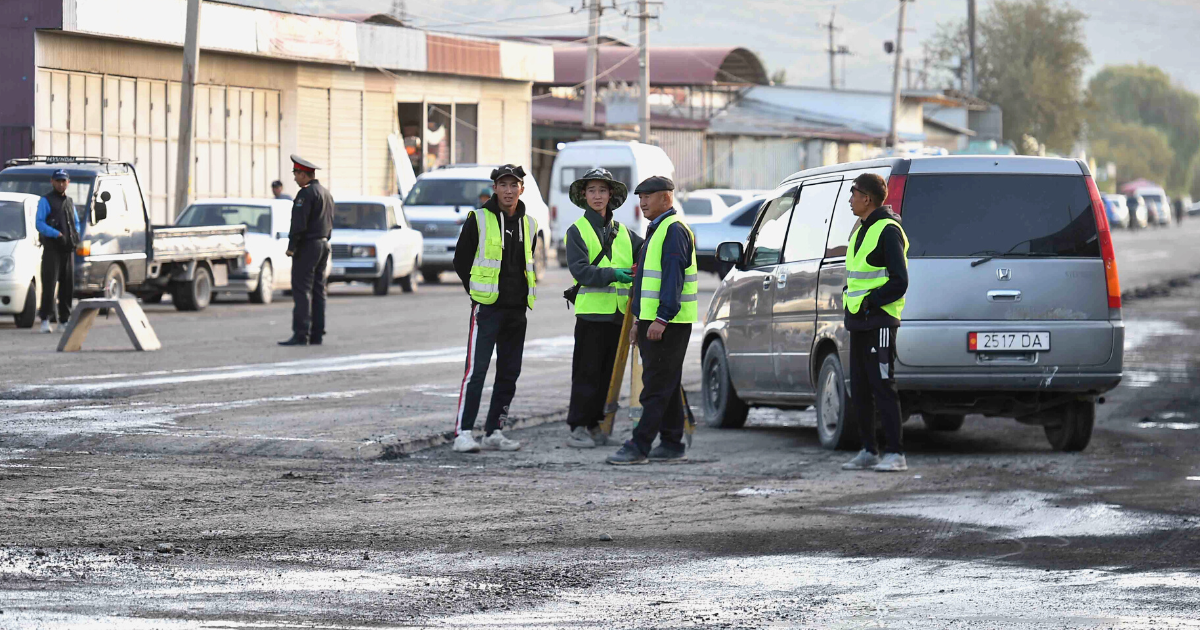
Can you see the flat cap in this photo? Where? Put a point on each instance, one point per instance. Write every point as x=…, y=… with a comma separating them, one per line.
x=60, y=174
x=510, y=170
x=303, y=164
x=654, y=184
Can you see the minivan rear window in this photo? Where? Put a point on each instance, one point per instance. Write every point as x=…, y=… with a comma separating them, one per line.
x=1016, y=215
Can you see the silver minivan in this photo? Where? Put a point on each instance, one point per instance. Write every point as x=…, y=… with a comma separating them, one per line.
x=1013, y=306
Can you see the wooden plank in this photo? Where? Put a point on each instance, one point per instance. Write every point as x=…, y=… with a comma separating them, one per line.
x=132, y=317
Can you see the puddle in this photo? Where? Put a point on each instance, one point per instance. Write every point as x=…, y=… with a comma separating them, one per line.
x=760, y=492
x=1176, y=426
x=1139, y=332
x=1193, y=478
x=1025, y=514
x=1139, y=378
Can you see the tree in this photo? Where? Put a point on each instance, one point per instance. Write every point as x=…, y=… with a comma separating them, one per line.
x=1030, y=60
x=1145, y=95
x=1139, y=151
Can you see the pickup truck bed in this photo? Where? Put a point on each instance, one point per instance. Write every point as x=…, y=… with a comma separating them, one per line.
x=174, y=244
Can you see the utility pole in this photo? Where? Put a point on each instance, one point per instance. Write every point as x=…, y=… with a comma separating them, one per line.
x=589, y=88
x=893, y=134
x=644, y=65
x=971, y=35
x=834, y=50
x=187, y=104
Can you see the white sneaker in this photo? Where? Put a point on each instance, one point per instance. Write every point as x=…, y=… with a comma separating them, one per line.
x=892, y=462
x=464, y=443
x=46, y=328
x=497, y=442
x=580, y=438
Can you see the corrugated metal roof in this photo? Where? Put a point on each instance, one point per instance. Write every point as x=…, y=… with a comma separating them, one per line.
x=668, y=66
x=459, y=55
x=561, y=111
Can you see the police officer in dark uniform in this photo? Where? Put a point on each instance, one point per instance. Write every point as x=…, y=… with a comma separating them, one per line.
x=308, y=245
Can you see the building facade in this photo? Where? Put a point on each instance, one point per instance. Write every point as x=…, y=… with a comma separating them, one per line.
x=101, y=78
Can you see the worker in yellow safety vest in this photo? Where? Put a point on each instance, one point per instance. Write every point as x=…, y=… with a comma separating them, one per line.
x=876, y=281
x=494, y=259
x=665, y=303
x=600, y=254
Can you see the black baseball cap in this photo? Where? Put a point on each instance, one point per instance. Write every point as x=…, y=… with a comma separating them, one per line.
x=60, y=174
x=510, y=170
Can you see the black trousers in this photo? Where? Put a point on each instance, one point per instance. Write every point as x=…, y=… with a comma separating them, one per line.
x=873, y=387
x=58, y=268
x=596, y=345
x=662, y=377
x=309, y=263
x=493, y=328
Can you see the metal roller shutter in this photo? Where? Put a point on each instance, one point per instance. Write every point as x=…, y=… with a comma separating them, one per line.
x=380, y=122
x=346, y=138
x=491, y=138
x=314, y=125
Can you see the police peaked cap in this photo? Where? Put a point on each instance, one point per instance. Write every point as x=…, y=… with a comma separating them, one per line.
x=509, y=170
x=654, y=184
x=302, y=164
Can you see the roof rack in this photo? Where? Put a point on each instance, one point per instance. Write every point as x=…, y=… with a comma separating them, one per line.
x=57, y=159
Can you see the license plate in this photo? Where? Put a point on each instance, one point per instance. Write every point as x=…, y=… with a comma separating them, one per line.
x=1008, y=342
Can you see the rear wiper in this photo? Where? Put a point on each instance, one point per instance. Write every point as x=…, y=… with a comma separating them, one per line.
x=991, y=255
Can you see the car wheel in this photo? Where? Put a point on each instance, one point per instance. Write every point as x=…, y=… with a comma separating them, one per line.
x=194, y=295
x=1072, y=430
x=431, y=276
x=722, y=407
x=265, y=292
x=943, y=421
x=114, y=282
x=384, y=281
x=833, y=409
x=25, y=318
x=409, y=283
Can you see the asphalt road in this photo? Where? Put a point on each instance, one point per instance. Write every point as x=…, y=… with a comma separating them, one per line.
x=262, y=466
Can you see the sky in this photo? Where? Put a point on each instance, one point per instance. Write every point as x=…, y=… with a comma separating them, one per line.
x=786, y=33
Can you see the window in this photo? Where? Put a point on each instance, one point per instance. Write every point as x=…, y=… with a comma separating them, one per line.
x=360, y=216
x=12, y=220
x=1015, y=215
x=79, y=190
x=437, y=137
x=746, y=218
x=391, y=218
x=466, y=132
x=697, y=207
x=730, y=200
x=256, y=218
x=810, y=222
x=767, y=242
x=448, y=192
x=622, y=174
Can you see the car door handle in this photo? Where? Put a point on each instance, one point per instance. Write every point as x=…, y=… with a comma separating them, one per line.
x=1004, y=296
x=782, y=281
x=767, y=283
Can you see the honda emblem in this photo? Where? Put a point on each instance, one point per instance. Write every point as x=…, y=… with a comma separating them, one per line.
x=1003, y=275
x=431, y=228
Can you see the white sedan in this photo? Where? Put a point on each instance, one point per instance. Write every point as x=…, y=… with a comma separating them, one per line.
x=373, y=242
x=20, y=257
x=267, y=266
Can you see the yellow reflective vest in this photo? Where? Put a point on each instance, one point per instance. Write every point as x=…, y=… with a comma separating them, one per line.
x=614, y=297
x=861, y=276
x=652, y=278
x=485, y=269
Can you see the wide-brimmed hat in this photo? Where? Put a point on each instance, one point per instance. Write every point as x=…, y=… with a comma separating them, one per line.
x=620, y=192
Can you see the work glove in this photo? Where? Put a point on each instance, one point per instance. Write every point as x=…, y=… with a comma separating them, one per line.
x=623, y=276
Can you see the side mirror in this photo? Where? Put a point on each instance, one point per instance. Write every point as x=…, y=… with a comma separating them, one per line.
x=730, y=252
x=105, y=196
x=280, y=235
x=100, y=208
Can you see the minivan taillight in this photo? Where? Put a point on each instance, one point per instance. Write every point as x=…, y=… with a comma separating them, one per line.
x=554, y=213
x=895, y=196
x=1106, y=247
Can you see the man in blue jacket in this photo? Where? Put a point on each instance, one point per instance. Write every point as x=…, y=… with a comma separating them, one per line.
x=58, y=228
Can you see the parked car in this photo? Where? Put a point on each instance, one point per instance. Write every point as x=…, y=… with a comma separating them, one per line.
x=1158, y=204
x=629, y=163
x=702, y=207
x=20, y=258
x=735, y=226
x=440, y=202
x=1117, y=210
x=1194, y=209
x=373, y=242
x=1139, y=213
x=732, y=196
x=267, y=266
x=1013, y=306
x=120, y=251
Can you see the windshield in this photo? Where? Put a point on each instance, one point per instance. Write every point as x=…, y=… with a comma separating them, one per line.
x=255, y=218
x=12, y=220
x=448, y=192
x=79, y=190
x=749, y=212
x=730, y=199
x=970, y=215
x=697, y=207
x=360, y=216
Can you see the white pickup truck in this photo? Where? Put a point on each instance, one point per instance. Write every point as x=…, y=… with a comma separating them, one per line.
x=120, y=251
